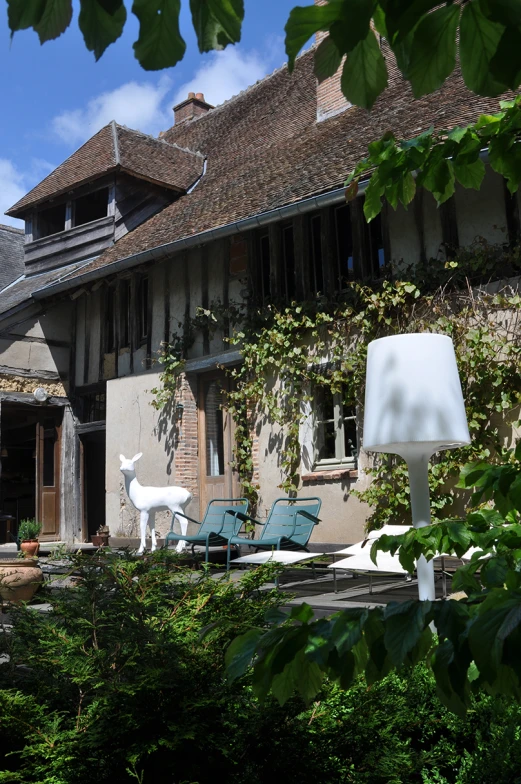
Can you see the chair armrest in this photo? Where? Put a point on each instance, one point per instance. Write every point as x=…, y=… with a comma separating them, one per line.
x=309, y=516
x=243, y=517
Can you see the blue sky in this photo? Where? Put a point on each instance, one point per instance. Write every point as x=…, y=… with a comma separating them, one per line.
x=55, y=96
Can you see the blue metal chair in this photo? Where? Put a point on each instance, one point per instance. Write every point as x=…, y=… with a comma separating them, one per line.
x=289, y=526
x=218, y=524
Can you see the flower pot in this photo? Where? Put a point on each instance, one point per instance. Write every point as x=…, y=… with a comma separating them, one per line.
x=20, y=578
x=100, y=540
x=30, y=547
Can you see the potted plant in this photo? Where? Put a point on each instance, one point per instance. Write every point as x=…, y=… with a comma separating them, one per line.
x=101, y=537
x=28, y=531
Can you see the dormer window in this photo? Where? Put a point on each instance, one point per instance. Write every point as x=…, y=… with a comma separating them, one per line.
x=91, y=207
x=51, y=220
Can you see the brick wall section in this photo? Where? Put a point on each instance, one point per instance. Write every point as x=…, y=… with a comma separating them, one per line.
x=186, y=460
x=194, y=106
x=330, y=100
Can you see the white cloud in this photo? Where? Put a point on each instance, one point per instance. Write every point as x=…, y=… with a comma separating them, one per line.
x=147, y=106
x=15, y=183
x=225, y=74
x=12, y=188
x=136, y=105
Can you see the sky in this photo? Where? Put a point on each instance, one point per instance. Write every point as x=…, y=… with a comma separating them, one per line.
x=55, y=96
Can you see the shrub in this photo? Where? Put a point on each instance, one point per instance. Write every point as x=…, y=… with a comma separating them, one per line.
x=28, y=529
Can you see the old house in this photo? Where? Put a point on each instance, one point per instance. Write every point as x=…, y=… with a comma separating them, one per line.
x=131, y=235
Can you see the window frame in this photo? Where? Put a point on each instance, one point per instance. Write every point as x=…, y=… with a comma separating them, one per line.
x=339, y=419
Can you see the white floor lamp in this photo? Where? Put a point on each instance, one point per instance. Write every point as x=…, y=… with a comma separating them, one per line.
x=413, y=408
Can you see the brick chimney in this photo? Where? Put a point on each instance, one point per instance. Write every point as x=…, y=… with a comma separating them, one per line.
x=193, y=107
x=330, y=99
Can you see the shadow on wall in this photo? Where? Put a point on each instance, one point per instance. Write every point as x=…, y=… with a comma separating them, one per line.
x=168, y=431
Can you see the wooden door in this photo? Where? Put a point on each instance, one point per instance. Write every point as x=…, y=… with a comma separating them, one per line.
x=48, y=432
x=218, y=480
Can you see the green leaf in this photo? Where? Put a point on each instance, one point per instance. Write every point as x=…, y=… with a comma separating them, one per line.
x=49, y=18
x=407, y=188
x=354, y=25
x=505, y=158
x=100, y=27
x=372, y=198
x=479, y=38
x=433, y=51
x=401, y=17
x=517, y=451
x=217, y=23
x=22, y=14
x=304, y=22
x=302, y=613
x=439, y=179
x=364, y=75
x=404, y=625
x=505, y=65
x=241, y=651
x=327, y=59
x=451, y=673
x=159, y=44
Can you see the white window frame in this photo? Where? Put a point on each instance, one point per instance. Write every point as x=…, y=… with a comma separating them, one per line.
x=309, y=437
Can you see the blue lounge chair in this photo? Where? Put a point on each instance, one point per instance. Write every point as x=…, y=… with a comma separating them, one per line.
x=289, y=526
x=218, y=524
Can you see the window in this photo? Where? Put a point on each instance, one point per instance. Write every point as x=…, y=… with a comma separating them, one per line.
x=143, y=309
x=124, y=313
x=214, y=430
x=94, y=407
x=335, y=433
x=316, y=271
x=376, y=247
x=51, y=221
x=344, y=243
x=91, y=207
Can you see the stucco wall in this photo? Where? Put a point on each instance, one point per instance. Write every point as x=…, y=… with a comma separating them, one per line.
x=132, y=427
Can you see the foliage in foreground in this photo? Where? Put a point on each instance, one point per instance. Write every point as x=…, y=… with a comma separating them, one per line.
x=425, y=37
x=118, y=683
x=478, y=640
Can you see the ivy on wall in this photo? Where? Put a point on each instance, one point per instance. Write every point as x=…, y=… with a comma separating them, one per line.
x=288, y=350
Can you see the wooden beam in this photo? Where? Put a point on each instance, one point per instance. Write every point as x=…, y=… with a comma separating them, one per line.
x=28, y=399
x=512, y=216
x=420, y=223
x=274, y=233
x=449, y=226
x=329, y=251
x=90, y=427
x=301, y=248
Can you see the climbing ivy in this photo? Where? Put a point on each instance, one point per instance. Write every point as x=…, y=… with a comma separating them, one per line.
x=289, y=350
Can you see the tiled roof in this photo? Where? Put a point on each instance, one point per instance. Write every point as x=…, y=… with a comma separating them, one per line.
x=265, y=150
x=116, y=148
x=20, y=292
x=11, y=254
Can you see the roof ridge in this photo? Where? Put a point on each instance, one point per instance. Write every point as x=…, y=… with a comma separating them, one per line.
x=157, y=139
x=115, y=140
x=14, y=229
x=246, y=90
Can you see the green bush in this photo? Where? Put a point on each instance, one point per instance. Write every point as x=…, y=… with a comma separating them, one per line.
x=28, y=529
x=124, y=681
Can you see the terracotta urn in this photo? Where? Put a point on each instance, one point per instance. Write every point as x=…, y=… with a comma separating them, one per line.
x=100, y=540
x=30, y=547
x=20, y=578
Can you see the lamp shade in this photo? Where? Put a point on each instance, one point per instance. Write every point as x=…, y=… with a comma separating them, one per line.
x=413, y=399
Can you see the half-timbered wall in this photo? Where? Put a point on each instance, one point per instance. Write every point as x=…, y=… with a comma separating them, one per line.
x=231, y=270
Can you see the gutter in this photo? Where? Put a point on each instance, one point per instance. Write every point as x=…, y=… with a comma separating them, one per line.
x=227, y=230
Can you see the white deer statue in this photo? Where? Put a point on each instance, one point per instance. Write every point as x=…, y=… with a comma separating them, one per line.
x=146, y=499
